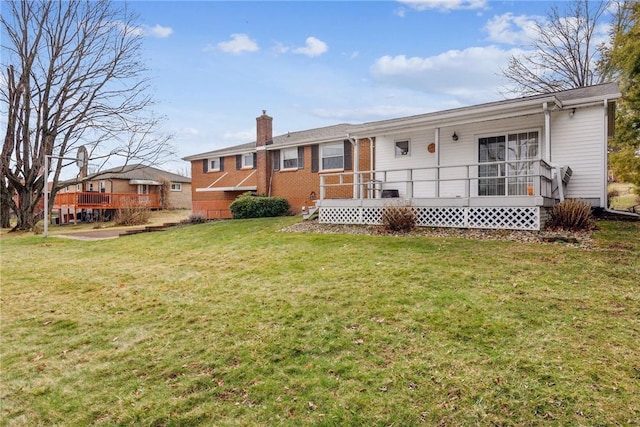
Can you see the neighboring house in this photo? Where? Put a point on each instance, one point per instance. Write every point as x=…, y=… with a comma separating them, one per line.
x=496, y=165
x=101, y=194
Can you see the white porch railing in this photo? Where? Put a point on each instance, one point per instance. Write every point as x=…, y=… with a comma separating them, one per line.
x=493, y=179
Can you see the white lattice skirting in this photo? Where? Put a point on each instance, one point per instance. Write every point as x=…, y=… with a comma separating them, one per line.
x=512, y=218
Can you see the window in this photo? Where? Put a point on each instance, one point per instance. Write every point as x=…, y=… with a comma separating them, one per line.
x=332, y=156
x=103, y=187
x=402, y=148
x=175, y=186
x=247, y=160
x=214, y=164
x=91, y=186
x=290, y=158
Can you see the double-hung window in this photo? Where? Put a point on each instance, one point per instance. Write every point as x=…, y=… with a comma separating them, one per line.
x=290, y=158
x=332, y=156
x=247, y=160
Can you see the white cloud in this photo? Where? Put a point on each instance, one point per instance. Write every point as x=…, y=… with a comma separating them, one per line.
x=472, y=75
x=239, y=43
x=511, y=29
x=157, y=31
x=313, y=47
x=445, y=5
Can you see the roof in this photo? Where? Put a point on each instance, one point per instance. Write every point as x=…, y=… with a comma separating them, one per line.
x=317, y=135
x=563, y=99
x=138, y=172
x=566, y=98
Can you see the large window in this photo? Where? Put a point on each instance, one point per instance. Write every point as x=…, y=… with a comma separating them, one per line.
x=332, y=156
x=507, y=164
x=290, y=158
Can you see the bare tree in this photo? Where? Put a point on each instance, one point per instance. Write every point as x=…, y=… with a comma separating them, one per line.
x=565, y=52
x=72, y=76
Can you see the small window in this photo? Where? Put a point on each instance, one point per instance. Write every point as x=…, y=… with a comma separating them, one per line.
x=91, y=186
x=332, y=156
x=290, y=158
x=214, y=164
x=175, y=186
x=402, y=148
x=103, y=187
x=247, y=160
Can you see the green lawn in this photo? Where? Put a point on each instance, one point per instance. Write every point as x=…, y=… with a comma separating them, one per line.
x=234, y=323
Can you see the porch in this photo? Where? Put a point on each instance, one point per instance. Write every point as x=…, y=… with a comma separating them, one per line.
x=496, y=195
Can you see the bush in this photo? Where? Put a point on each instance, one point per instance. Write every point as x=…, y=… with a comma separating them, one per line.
x=250, y=206
x=572, y=215
x=131, y=213
x=196, y=218
x=398, y=218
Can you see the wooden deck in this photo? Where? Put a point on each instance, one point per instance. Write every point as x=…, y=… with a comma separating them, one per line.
x=94, y=200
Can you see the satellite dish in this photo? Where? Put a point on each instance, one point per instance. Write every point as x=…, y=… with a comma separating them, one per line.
x=82, y=158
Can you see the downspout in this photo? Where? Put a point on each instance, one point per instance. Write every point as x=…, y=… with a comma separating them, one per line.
x=605, y=156
x=547, y=150
x=437, y=142
x=547, y=132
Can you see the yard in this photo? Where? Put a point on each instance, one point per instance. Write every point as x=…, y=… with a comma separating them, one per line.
x=235, y=323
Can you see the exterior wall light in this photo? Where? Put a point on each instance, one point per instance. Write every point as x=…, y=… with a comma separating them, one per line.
x=454, y=136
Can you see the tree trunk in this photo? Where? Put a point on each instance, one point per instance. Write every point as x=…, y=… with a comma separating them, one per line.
x=26, y=214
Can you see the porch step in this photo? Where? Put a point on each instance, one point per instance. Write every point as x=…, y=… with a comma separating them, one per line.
x=311, y=213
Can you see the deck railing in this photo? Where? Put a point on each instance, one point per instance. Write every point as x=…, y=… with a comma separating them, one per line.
x=93, y=200
x=507, y=178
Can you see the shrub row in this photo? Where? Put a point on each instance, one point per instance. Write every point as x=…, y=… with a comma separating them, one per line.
x=250, y=206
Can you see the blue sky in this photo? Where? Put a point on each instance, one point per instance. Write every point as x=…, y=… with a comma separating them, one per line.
x=216, y=65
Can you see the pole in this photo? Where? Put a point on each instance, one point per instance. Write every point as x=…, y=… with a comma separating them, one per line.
x=46, y=195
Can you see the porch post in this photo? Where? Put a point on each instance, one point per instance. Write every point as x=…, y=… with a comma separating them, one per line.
x=356, y=167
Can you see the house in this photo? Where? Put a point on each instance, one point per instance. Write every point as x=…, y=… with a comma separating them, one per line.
x=496, y=165
x=103, y=193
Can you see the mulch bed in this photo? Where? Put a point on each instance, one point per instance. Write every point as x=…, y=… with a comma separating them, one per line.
x=582, y=239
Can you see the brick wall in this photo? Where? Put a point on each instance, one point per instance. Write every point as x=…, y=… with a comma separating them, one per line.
x=296, y=186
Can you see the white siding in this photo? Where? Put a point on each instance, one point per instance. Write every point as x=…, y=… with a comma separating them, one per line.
x=452, y=153
x=578, y=142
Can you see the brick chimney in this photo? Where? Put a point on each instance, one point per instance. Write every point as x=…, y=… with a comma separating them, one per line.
x=264, y=137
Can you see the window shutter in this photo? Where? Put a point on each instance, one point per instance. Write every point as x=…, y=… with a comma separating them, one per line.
x=255, y=160
x=221, y=164
x=315, y=158
x=238, y=161
x=347, y=155
x=205, y=165
x=300, y=157
x=276, y=160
